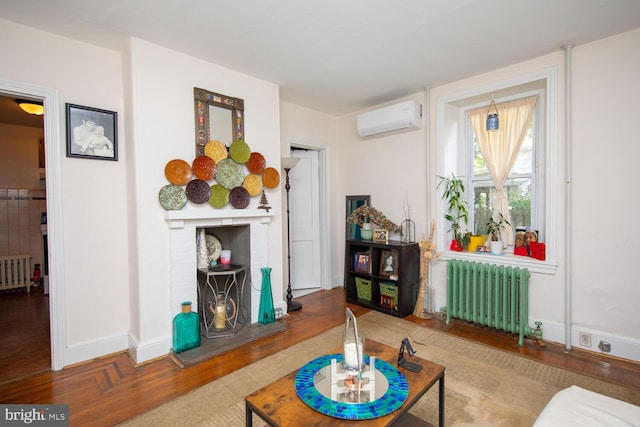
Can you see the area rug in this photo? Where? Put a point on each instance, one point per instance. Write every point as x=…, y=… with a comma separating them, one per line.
x=484, y=386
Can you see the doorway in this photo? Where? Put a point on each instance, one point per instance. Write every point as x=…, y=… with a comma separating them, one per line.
x=310, y=219
x=53, y=188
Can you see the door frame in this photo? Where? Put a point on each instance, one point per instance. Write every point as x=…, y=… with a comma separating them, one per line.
x=53, y=155
x=324, y=154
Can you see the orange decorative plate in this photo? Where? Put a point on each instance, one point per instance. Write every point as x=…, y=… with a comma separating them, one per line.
x=204, y=168
x=270, y=177
x=178, y=172
x=253, y=184
x=216, y=150
x=256, y=163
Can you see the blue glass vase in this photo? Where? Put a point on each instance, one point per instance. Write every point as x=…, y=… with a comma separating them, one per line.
x=267, y=313
x=186, y=329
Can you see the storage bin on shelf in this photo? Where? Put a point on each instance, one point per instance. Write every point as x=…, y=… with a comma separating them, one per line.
x=389, y=295
x=363, y=289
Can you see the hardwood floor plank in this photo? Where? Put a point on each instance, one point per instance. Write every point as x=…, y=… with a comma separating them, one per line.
x=110, y=389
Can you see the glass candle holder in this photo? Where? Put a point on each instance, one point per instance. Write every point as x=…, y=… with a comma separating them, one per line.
x=353, y=351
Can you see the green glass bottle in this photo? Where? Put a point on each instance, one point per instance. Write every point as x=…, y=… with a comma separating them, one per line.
x=186, y=329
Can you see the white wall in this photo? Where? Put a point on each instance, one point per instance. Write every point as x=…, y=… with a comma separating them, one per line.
x=115, y=238
x=305, y=126
x=162, y=129
x=392, y=169
x=96, y=308
x=605, y=150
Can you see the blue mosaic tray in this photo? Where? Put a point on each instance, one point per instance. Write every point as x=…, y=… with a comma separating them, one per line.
x=394, y=397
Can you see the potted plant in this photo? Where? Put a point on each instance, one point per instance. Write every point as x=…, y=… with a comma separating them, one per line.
x=366, y=215
x=494, y=229
x=453, y=193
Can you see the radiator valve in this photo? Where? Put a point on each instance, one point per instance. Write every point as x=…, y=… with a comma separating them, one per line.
x=537, y=334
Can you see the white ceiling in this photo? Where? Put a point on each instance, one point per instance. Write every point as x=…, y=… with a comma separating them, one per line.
x=340, y=56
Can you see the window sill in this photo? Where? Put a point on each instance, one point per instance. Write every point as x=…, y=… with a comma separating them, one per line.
x=508, y=259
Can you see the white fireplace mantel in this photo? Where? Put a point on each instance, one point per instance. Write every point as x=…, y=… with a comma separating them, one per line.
x=177, y=219
x=182, y=226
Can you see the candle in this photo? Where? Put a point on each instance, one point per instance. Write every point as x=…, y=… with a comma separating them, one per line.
x=351, y=354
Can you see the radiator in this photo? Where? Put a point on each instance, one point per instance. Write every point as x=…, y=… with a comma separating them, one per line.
x=15, y=272
x=490, y=295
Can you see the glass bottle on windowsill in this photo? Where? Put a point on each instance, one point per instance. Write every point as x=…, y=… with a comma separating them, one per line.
x=186, y=329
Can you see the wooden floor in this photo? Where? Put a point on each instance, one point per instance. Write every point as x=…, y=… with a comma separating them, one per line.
x=108, y=390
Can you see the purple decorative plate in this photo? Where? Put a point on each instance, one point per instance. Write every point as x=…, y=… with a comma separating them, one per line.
x=198, y=191
x=239, y=197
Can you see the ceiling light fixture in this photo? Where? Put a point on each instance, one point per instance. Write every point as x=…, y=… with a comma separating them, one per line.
x=493, y=119
x=32, y=107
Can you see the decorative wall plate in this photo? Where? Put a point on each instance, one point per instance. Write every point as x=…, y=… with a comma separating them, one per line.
x=253, y=184
x=219, y=197
x=172, y=197
x=198, y=191
x=204, y=168
x=178, y=172
x=229, y=174
x=214, y=247
x=270, y=177
x=256, y=163
x=239, y=151
x=239, y=197
x=216, y=150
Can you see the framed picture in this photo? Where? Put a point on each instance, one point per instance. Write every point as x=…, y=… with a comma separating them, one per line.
x=363, y=262
x=91, y=133
x=389, y=264
x=380, y=235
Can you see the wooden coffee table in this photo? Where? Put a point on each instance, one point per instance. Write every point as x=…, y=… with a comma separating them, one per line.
x=279, y=405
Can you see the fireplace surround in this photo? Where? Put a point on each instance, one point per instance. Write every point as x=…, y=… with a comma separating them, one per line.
x=223, y=223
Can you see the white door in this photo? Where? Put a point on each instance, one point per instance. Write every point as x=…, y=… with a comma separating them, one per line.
x=305, y=224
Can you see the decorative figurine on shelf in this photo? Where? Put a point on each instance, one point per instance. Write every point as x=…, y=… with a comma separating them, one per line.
x=263, y=202
x=519, y=247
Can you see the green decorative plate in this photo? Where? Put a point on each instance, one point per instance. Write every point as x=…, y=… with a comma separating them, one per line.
x=240, y=151
x=219, y=197
x=172, y=197
x=229, y=174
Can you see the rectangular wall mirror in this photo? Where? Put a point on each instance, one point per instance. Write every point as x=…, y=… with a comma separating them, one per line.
x=218, y=118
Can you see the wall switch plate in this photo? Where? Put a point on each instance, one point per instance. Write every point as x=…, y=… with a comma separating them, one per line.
x=585, y=339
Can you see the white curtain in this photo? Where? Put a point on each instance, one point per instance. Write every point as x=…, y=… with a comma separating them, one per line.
x=500, y=147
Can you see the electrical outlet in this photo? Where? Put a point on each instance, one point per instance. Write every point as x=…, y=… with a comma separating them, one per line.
x=585, y=339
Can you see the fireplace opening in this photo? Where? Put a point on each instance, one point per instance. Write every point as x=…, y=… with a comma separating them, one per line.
x=224, y=289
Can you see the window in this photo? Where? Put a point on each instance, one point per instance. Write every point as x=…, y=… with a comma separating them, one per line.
x=531, y=184
x=519, y=186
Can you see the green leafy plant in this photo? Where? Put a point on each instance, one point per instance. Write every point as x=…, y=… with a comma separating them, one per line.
x=367, y=213
x=453, y=193
x=494, y=228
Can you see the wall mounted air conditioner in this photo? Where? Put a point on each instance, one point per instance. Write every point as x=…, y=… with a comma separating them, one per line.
x=396, y=118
